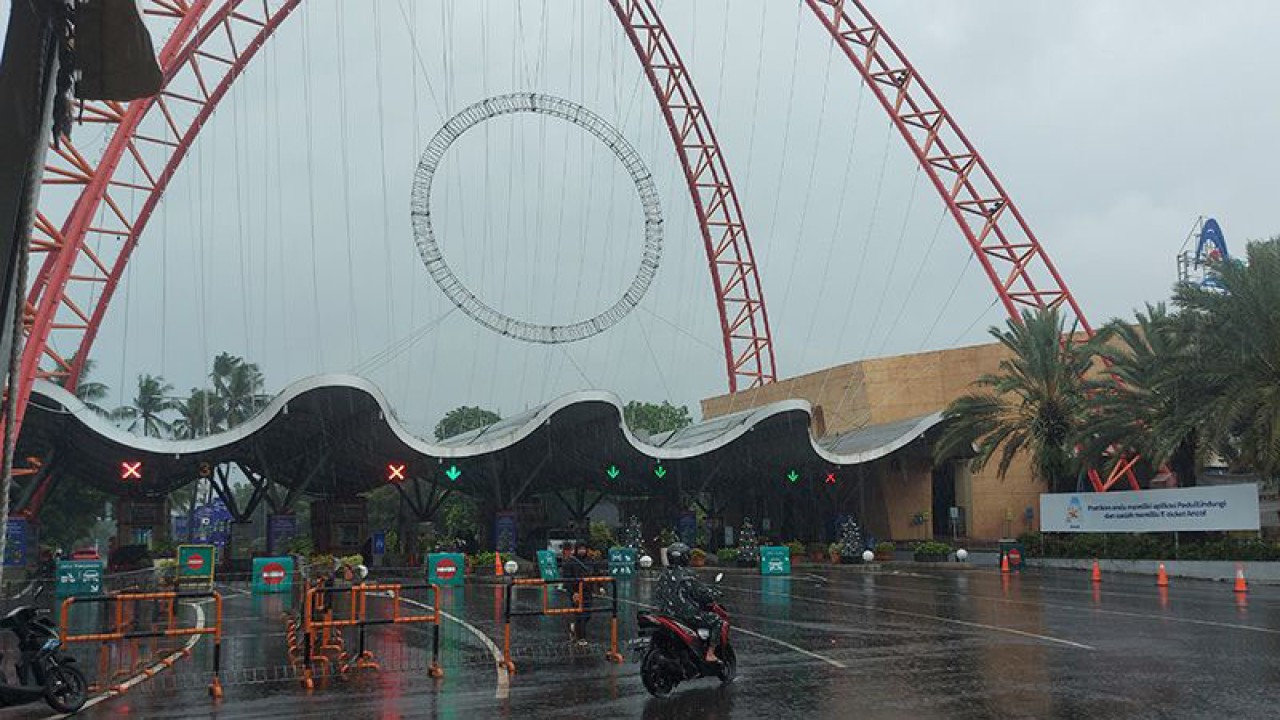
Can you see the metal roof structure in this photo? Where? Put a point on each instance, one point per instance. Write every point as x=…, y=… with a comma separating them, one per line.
x=335, y=435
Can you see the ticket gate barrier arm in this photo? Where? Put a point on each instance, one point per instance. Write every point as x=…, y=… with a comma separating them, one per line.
x=120, y=634
x=578, y=608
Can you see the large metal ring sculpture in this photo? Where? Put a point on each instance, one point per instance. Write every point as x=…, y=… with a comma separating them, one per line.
x=467, y=301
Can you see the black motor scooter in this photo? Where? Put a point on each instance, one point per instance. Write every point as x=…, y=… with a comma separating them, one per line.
x=672, y=652
x=41, y=670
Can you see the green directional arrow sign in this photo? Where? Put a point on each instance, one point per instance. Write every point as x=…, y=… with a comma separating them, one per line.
x=793, y=476
x=453, y=473
x=660, y=471
x=613, y=472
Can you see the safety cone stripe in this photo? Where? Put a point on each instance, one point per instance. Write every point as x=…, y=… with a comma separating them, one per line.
x=1241, y=585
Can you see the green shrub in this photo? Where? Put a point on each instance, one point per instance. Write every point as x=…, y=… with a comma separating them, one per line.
x=931, y=547
x=1149, y=546
x=601, y=536
x=797, y=549
x=698, y=555
x=727, y=556
x=886, y=547
x=482, y=561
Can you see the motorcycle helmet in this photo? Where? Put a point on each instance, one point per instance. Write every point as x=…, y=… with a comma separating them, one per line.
x=678, y=555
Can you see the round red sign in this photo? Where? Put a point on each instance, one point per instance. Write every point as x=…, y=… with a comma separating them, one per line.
x=446, y=569
x=272, y=573
x=195, y=562
x=1015, y=557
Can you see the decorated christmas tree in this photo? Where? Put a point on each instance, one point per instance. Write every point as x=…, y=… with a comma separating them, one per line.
x=631, y=535
x=748, y=545
x=850, y=541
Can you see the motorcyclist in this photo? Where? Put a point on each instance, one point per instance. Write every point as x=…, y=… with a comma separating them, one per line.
x=681, y=595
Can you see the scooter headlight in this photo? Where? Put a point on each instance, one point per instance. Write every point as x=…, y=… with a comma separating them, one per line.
x=50, y=645
x=704, y=633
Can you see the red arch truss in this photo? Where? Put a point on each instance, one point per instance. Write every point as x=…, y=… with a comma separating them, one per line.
x=208, y=46
x=1014, y=261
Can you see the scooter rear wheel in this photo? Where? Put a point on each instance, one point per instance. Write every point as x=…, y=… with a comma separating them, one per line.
x=65, y=689
x=655, y=679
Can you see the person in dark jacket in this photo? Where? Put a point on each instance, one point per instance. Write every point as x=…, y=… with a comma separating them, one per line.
x=681, y=595
x=576, y=566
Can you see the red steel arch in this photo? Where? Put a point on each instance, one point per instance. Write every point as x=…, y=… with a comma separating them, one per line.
x=1012, y=257
x=85, y=256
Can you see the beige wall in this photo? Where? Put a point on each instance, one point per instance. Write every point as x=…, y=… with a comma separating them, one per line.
x=883, y=390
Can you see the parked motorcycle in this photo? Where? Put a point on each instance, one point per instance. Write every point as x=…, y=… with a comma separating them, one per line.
x=672, y=652
x=40, y=669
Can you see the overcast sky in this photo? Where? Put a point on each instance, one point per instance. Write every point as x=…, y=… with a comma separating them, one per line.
x=1112, y=125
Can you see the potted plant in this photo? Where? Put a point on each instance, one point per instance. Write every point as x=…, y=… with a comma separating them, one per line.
x=833, y=551
x=797, y=550
x=816, y=551
x=665, y=538
x=932, y=551
x=698, y=557
x=884, y=551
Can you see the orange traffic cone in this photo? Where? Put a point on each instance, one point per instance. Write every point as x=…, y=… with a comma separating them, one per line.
x=1241, y=585
x=1162, y=577
x=497, y=564
x=1004, y=564
x=1097, y=573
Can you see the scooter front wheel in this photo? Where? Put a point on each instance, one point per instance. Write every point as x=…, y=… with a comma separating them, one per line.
x=728, y=664
x=65, y=688
x=654, y=676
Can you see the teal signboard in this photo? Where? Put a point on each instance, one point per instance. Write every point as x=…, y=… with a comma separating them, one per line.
x=79, y=577
x=622, y=562
x=272, y=575
x=446, y=568
x=775, y=560
x=548, y=568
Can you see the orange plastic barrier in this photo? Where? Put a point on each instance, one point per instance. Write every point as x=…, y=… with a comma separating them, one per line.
x=322, y=639
x=578, y=608
x=123, y=616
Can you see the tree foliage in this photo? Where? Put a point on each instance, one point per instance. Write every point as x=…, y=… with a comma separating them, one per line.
x=464, y=419
x=654, y=418
x=1036, y=403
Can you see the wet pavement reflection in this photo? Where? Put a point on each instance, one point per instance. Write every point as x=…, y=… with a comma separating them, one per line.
x=907, y=641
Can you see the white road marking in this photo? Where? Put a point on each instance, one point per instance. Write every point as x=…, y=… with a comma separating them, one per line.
x=142, y=676
x=734, y=627
x=924, y=616
x=503, y=690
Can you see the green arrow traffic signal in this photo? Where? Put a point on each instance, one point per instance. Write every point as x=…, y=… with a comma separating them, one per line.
x=613, y=472
x=453, y=473
x=660, y=471
x=793, y=476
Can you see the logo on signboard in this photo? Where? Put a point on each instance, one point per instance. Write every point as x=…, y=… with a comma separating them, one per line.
x=195, y=561
x=273, y=573
x=446, y=569
x=1075, y=513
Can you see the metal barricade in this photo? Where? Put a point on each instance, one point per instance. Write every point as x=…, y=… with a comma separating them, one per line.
x=316, y=637
x=123, y=627
x=578, y=608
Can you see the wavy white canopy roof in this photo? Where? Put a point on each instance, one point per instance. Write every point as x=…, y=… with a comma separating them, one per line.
x=348, y=422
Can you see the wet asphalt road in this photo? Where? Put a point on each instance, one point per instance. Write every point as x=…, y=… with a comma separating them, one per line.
x=914, y=641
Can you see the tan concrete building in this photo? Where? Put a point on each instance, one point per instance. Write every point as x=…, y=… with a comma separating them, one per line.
x=906, y=497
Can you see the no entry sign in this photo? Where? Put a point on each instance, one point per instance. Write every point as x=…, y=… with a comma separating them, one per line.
x=272, y=575
x=445, y=568
x=195, y=563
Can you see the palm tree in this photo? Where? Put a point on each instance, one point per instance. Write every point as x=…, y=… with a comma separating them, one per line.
x=1035, y=404
x=1233, y=357
x=90, y=392
x=1146, y=404
x=238, y=385
x=148, y=406
x=198, y=415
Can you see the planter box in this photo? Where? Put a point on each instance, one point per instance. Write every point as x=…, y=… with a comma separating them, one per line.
x=851, y=560
x=884, y=556
x=932, y=557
